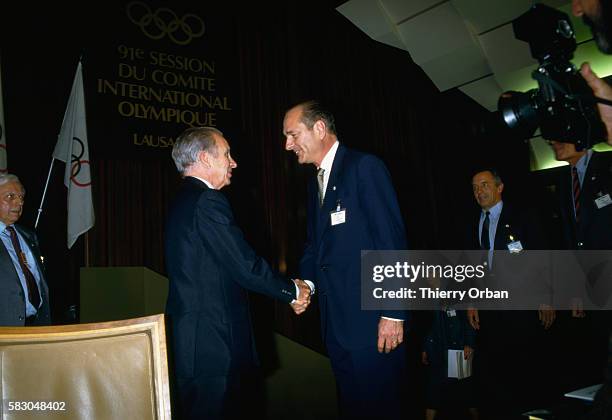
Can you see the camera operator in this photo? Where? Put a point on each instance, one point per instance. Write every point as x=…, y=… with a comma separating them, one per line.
x=586, y=220
x=572, y=109
x=597, y=15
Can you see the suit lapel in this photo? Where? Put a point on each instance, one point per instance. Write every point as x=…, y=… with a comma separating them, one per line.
x=475, y=232
x=33, y=245
x=590, y=188
x=500, y=231
x=567, y=202
x=504, y=228
x=7, y=264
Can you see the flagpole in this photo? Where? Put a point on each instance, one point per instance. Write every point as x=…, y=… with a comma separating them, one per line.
x=42, y=200
x=87, y=249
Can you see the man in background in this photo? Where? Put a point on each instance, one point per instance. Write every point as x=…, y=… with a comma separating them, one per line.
x=510, y=343
x=597, y=15
x=584, y=190
x=24, y=295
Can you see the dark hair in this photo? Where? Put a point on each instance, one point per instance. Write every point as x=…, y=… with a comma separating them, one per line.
x=313, y=111
x=494, y=172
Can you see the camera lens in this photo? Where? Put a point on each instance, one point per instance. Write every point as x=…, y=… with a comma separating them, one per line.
x=519, y=111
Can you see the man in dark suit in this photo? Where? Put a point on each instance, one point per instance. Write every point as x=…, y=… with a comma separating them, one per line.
x=499, y=226
x=509, y=346
x=24, y=295
x=352, y=206
x=585, y=207
x=592, y=229
x=210, y=267
x=597, y=14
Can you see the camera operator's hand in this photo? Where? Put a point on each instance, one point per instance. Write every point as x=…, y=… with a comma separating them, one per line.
x=602, y=90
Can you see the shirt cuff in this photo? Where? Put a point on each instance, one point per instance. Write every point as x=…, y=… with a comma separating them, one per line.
x=297, y=289
x=391, y=319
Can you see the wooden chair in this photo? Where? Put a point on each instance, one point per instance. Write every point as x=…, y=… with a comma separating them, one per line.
x=107, y=370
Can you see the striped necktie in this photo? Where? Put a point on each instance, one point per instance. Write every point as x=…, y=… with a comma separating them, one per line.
x=576, y=191
x=320, y=182
x=33, y=293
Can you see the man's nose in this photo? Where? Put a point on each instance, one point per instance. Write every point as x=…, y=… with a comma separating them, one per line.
x=289, y=144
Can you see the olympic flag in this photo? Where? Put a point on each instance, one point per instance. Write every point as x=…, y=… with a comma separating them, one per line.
x=72, y=149
x=3, y=160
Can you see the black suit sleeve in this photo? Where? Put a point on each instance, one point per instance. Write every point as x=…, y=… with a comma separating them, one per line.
x=216, y=225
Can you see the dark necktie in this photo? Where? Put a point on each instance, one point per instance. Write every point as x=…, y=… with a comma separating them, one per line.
x=33, y=295
x=320, y=182
x=484, y=236
x=576, y=185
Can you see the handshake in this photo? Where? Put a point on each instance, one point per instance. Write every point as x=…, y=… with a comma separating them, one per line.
x=302, y=301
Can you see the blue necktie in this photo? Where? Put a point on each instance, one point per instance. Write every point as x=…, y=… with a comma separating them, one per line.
x=484, y=236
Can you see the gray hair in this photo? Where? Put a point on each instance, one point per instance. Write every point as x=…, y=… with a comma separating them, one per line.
x=5, y=178
x=190, y=143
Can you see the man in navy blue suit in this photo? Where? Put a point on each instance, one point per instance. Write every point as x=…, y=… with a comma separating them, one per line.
x=210, y=267
x=352, y=206
x=584, y=189
x=502, y=361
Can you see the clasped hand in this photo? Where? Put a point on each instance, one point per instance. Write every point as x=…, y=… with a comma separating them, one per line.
x=303, y=299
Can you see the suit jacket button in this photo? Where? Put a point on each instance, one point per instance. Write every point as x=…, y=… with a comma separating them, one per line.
x=324, y=267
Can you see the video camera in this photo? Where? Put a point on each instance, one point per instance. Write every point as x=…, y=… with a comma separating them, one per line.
x=563, y=106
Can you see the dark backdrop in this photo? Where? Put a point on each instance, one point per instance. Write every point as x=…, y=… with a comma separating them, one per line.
x=284, y=53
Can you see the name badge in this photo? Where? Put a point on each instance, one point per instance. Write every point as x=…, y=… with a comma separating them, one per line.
x=338, y=216
x=515, y=246
x=451, y=312
x=603, y=201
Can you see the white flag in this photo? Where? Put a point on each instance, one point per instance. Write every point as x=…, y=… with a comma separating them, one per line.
x=72, y=148
x=3, y=160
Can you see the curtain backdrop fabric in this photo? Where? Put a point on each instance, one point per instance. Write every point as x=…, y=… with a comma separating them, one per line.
x=286, y=53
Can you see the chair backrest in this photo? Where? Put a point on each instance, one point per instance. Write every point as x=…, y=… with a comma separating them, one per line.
x=107, y=370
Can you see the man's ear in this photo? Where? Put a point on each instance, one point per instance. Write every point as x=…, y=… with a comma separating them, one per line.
x=203, y=158
x=319, y=129
x=500, y=187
